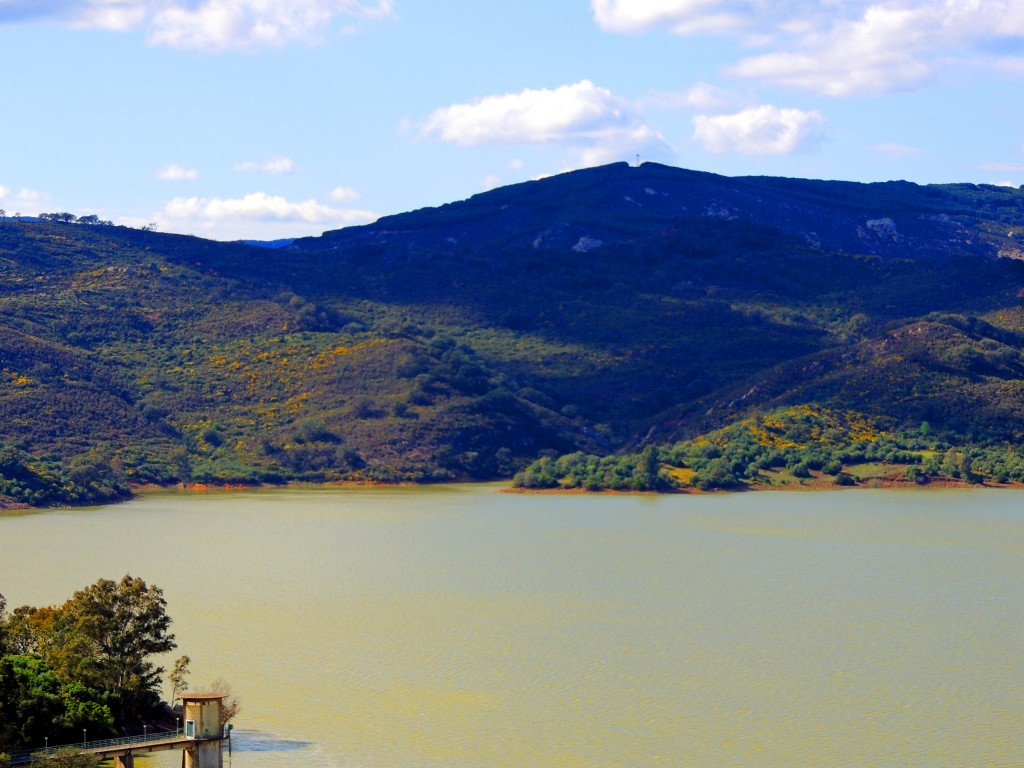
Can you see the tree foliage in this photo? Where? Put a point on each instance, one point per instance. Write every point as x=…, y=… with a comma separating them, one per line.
x=802, y=443
x=178, y=677
x=121, y=625
x=84, y=664
x=72, y=758
x=35, y=704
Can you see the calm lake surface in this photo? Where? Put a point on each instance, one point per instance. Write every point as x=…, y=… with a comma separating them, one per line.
x=458, y=627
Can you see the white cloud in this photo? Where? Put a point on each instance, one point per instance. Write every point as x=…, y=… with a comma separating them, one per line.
x=762, y=130
x=117, y=15
x=838, y=47
x=343, y=195
x=516, y=165
x=204, y=25
x=1003, y=167
x=26, y=195
x=588, y=119
x=701, y=96
x=26, y=201
x=277, y=165
x=260, y=205
x=530, y=116
x=175, y=172
x=683, y=17
x=254, y=216
x=886, y=48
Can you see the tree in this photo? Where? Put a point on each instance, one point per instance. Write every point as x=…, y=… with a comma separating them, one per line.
x=72, y=758
x=179, y=677
x=231, y=706
x=951, y=463
x=62, y=217
x=648, y=468
x=122, y=624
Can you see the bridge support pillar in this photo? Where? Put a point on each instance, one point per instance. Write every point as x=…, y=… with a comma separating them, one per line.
x=205, y=754
x=124, y=761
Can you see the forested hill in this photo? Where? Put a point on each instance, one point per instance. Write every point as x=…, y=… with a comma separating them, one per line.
x=596, y=311
x=617, y=204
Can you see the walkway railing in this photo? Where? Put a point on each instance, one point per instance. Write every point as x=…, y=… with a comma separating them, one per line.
x=28, y=755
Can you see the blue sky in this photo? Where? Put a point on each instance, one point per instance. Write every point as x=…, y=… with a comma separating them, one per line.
x=277, y=118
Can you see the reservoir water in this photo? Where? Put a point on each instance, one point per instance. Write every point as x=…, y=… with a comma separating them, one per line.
x=459, y=627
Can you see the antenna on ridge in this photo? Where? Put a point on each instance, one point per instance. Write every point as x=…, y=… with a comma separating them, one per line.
x=638, y=161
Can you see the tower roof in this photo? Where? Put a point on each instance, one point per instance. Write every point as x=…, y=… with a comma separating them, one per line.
x=199, y=696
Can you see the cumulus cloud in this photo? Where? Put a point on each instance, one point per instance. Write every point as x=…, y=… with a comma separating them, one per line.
x=203, y=25
x=255, y=216
x=530, y=116
x=175, y=172
x=839, y=47
x=585, y=117
x=343, y=195
x=887, y=48
x=277, y=165
x=260, y=205
x=762, y=130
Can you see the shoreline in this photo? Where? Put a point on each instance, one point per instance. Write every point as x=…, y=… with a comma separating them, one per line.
x=813, y=486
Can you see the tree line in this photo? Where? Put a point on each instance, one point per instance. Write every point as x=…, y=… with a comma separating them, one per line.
x=69, y=218
x=63, y=217
x=799, y=442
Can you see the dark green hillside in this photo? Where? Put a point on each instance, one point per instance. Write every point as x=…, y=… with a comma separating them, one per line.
x=594, y=311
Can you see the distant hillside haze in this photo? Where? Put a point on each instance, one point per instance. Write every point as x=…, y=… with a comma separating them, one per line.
x=600, y=310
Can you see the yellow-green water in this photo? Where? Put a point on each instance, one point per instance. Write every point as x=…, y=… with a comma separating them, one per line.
x=458, y=627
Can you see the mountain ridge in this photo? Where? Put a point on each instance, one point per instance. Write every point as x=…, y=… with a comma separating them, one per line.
x=598, y=310
x=794, y=205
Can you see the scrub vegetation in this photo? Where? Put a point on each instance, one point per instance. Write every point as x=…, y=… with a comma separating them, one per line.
x=632, y=321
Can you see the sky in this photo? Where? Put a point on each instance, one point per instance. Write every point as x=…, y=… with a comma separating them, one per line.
x=265, y=119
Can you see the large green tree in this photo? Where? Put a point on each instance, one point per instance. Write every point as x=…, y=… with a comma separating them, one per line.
x=121, y=626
